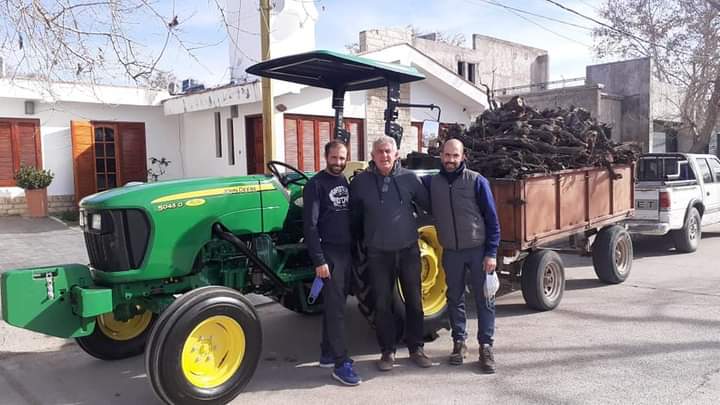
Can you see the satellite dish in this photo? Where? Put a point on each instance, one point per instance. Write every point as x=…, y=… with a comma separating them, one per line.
x=276, y=6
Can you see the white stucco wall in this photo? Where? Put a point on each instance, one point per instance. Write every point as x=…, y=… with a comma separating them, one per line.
x=424, y=92
x=197, y=141
x=161, y=135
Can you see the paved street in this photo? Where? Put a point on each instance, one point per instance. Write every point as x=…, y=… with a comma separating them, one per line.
x=652, y=340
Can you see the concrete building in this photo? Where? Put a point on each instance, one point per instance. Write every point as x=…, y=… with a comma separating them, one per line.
x=623, y=94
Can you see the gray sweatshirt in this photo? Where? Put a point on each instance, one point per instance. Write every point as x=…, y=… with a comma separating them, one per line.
x=383, y=206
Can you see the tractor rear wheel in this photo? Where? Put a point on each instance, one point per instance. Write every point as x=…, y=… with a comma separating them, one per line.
x=204, y=348
x=117, y=340
x=432, y=283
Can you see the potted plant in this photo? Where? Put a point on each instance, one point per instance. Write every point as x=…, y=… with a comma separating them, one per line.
x=35, y=182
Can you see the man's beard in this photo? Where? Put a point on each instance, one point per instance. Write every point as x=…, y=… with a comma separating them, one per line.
x=451, y=167
x=336, y=169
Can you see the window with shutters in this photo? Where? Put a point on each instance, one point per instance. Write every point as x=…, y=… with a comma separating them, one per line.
x=306, y=136
x=19, y=144
x=105, y=162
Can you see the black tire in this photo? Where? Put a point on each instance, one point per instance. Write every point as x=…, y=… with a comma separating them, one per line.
x=432, y=322
x=296, y=300
x=224, y=309
x=688, y=238
x=112, y=341
x=612, y=254
x=543, y=280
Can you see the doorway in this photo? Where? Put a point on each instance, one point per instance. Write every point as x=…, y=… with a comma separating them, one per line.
x=254, y=146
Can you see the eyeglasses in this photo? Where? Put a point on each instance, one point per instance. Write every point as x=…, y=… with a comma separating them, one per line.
x=386, y=184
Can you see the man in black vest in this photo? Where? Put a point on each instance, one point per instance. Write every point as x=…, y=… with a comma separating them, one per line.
x=382, y=201
x=326, y=221
x=469, y=231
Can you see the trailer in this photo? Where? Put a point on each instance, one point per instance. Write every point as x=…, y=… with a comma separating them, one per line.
x=571, y=211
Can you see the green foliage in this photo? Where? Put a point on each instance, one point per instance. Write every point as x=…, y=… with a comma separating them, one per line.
x=69, y=216
x=31, y=178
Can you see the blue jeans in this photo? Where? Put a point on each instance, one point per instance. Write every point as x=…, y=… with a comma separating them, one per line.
x=456, y=263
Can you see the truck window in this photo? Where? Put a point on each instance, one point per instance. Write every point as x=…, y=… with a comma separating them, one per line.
x=715, y=168
x=704, y=170
x=654, y=168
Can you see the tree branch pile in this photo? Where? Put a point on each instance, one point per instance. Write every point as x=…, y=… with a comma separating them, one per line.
x=516, y=140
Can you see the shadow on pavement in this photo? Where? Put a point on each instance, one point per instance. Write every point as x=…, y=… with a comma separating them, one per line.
x=583, y=284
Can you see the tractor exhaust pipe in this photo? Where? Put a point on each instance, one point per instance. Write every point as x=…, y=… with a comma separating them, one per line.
x=224, y=234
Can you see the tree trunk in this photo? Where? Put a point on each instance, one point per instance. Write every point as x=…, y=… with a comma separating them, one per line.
x=711, y=117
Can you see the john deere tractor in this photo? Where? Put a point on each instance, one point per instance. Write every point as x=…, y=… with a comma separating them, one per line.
x=171, y=262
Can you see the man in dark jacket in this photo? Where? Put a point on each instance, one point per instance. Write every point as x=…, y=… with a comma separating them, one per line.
x=326, y=221
x=469, y=231
x=382, y=201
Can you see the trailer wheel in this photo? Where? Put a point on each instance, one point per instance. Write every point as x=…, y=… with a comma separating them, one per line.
x=543, y=280
x=204, y=348
x=688, y=237
x=612, y=254
x=117, y=340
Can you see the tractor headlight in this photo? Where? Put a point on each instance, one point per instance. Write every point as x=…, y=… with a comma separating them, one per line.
x=81, y=219
x=96, y=222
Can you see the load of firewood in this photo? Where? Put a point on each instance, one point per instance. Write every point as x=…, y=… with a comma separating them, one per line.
x=515, y=140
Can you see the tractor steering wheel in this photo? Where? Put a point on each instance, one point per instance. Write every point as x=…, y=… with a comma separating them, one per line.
x=283, y=178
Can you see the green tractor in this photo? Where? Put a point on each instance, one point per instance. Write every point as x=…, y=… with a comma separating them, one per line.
x=171, y=262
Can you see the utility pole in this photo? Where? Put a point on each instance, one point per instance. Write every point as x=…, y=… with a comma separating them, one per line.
x=267, y=96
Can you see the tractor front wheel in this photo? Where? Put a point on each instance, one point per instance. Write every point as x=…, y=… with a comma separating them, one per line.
x=116, y=340
x=204, y=348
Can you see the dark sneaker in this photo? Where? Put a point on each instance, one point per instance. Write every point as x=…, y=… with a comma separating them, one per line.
x=386, y=362
x=346, y=375
x=327, y=361
x=459, y=353
x=487, y=359
x=420, y=359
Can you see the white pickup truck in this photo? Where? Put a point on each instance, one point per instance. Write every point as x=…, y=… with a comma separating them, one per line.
x=676, y=194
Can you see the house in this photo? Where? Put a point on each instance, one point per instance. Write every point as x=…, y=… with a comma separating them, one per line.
x=91, y=137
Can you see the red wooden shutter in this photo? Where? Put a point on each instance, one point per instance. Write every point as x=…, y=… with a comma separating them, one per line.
x=132, y=159
x=292, y=155
x=307, y=131
x=6, y=155
x=28, y=144
x=323, y=138
x=83, y=158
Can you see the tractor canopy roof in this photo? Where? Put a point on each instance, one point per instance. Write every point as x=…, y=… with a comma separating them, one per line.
x=336, y=71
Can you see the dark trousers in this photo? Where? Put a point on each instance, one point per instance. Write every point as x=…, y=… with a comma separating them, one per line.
x=385, y=269
x=455, y=264
x=334, y=293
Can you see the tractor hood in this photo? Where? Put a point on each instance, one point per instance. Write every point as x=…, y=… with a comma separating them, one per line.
x=158, y=196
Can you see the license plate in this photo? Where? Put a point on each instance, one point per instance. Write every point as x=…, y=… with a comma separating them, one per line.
x=646, y=204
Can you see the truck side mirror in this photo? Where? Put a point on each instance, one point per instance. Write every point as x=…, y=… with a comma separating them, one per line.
x=430, y=131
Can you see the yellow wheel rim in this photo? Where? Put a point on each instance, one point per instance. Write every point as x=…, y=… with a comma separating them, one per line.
x=432, y=276
x=123, y=330
x=213, y=351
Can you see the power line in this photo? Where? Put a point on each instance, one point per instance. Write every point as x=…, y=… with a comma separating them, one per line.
x=517, y=12
x=535, y=14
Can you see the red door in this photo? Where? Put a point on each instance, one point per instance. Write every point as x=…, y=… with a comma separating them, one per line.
x=254, y=145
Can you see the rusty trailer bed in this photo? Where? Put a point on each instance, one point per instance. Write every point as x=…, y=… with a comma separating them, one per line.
x=544, y=208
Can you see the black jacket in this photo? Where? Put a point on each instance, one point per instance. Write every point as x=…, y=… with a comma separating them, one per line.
x=326, y=214
x=382, y=207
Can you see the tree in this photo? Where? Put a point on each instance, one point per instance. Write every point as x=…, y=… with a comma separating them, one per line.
x=91, y=41
x=682, y=37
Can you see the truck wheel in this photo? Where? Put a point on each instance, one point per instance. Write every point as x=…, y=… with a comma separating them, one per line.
x=117, y=340
x=543, y=280
x=687, y=239
x=433, y=288
x=204, y=348
x=612, y=254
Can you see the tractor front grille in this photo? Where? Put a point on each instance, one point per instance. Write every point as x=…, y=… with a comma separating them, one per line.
x=120, y=243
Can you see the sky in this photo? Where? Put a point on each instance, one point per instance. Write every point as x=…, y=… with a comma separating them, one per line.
x=340, y=22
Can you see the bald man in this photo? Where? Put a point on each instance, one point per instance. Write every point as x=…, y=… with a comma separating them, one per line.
x=469, y=231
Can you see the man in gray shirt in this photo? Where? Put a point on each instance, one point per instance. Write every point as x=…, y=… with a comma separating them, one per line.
x=381, y=199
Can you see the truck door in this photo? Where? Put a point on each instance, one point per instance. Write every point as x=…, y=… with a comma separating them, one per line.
x=714, y=213
x=710, y=191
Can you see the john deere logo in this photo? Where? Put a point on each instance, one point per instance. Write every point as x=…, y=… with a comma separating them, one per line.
x=195, y=202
